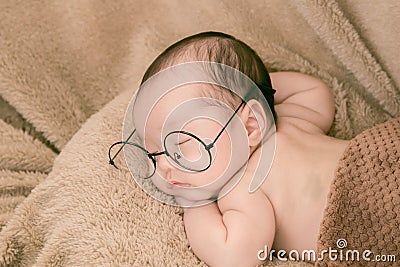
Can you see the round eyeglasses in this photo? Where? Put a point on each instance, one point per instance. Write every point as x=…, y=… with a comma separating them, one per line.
x=185, y=149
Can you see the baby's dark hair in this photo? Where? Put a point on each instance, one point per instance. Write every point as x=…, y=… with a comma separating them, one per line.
x=219, y=48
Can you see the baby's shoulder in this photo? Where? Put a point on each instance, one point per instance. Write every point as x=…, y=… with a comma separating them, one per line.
x=239, y=198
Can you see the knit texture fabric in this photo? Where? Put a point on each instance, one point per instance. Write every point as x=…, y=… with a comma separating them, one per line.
x=363, y=210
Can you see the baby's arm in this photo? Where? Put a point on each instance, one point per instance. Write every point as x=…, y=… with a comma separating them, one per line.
x=303, y=100
x=231, y=232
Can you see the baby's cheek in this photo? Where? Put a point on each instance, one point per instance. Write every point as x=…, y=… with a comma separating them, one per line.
x=222, y=158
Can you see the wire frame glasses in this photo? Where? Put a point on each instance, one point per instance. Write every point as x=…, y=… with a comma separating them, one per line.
x=185, y=149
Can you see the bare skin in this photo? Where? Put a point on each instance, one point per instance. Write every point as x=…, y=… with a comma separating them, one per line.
x=299, y=193
x=285, y=213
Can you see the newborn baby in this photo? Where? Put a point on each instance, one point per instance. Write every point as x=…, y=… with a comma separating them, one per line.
x=286, y=209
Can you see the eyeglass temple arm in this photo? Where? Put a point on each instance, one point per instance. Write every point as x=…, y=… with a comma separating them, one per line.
x=241, y=104
x=226, y=124
x=111, y=161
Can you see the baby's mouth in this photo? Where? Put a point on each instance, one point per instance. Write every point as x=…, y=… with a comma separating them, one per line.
x=180, y=184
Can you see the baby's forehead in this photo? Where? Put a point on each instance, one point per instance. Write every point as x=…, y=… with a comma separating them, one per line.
x=176, y=96
x=181, y=93
x=188, y=99
x=179, y=104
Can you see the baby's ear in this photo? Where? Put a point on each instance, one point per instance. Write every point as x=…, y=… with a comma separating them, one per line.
x=254, y=120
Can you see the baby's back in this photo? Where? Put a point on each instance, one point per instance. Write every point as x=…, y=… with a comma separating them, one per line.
x=298, y=183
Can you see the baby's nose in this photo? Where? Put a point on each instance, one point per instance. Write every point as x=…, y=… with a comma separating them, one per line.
x=165, y=167
x=163, y=164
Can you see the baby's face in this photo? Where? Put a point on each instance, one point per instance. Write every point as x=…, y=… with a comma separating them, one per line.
x=162, y=120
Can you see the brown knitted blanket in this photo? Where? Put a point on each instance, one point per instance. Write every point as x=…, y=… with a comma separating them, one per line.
x=363, y=212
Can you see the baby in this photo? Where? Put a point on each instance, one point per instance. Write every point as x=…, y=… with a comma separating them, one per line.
x=287, y=208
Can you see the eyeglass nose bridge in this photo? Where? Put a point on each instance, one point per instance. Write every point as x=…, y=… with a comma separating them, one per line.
x=153, y=156
x=157, y=154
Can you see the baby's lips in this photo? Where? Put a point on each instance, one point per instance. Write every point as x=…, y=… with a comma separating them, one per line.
x=181, y=184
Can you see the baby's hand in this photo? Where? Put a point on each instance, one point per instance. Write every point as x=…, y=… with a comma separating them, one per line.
x=230, y=232
x=303, y=100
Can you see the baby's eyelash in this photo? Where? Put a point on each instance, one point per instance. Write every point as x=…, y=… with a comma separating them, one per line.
x=184, y=141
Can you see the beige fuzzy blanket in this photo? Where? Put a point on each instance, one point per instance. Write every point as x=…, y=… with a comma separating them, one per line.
x=62, y=61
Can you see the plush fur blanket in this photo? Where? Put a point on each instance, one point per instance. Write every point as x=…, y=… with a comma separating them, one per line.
x=62, y=61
